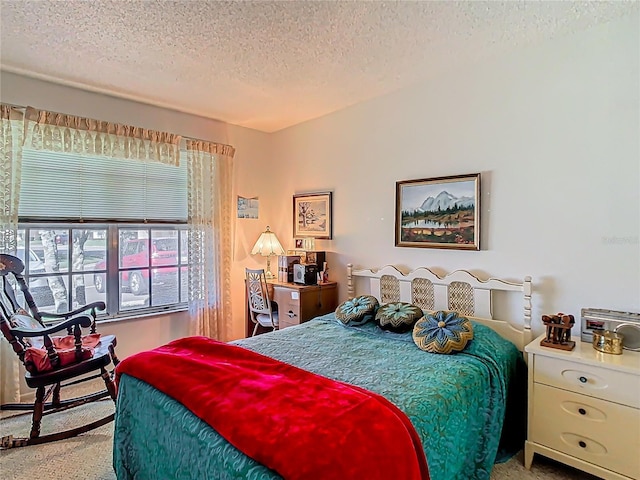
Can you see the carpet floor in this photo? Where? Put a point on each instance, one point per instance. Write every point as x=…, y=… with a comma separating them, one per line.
x=88, y=456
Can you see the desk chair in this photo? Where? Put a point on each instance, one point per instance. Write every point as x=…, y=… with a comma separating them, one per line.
x=260, y=309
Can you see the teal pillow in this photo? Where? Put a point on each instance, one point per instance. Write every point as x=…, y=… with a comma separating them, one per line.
x=398, y=317
x=442, y=332
x=357, y=310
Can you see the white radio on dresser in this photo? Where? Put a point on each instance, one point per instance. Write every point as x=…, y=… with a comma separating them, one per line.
x=584, y=409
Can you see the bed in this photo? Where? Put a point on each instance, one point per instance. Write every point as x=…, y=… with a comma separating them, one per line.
x=468, y=409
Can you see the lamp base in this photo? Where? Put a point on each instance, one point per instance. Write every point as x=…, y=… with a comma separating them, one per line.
x=268, y=273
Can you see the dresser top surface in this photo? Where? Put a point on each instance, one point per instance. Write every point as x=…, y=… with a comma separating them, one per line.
x=584, y=353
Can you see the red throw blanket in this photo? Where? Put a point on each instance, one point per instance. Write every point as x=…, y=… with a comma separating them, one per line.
x=302, y=425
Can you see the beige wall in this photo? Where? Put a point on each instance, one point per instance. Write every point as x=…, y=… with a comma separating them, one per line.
x=552, y=128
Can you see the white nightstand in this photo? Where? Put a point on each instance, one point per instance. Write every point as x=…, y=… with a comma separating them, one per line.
x=584, y=409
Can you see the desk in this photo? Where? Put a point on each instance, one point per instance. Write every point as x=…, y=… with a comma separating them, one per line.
x=298, y=303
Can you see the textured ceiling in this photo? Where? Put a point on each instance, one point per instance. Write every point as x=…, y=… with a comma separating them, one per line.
x=266, y=64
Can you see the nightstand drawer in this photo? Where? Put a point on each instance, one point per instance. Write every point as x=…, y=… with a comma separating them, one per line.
x=594, y=430
x=589, y=380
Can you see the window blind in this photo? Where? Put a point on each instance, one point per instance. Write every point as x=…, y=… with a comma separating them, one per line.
x=66, y=186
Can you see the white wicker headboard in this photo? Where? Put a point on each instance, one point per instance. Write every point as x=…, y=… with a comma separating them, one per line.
x=460, y=291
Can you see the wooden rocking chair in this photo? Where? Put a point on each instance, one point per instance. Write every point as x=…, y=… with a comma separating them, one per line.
x=48, y=360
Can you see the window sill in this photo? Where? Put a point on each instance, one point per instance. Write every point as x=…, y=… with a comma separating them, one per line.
x=128, y=316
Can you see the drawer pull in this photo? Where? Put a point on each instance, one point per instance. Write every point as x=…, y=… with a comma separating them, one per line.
x=582, y=444
x=583, y=379
x=291, y=314
x=580, y=410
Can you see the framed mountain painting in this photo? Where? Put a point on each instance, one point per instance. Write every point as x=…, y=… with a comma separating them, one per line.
x=442, y=212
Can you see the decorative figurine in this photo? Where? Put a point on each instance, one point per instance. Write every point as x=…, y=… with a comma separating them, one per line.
x=558, y=331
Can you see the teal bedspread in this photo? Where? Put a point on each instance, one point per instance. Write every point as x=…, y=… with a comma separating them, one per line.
x=457, y=403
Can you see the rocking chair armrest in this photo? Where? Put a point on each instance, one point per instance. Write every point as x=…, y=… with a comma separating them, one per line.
x=83, y=321
x=90, y=306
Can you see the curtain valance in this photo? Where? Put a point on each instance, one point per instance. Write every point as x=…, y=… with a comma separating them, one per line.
x=68, y=133
x=211, y=148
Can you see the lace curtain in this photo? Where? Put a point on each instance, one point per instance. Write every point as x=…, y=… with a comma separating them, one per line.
x=67, y=133
x=210, y=202
x=11, y=136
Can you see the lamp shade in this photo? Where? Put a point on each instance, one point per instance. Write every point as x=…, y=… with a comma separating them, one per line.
x=267, y=244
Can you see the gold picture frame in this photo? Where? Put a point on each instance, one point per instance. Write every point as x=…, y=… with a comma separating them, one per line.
x=440, y=212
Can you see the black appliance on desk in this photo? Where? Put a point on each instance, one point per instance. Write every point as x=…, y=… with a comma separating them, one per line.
x=311, y=263
x=305, y=274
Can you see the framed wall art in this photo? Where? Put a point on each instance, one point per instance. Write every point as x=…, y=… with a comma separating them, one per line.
x=312, y=215
x=248, y=207
x=441, y=212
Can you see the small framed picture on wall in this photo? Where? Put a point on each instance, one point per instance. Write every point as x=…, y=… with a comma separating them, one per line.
x=312, y=215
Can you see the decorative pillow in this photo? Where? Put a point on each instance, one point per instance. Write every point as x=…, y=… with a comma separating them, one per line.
x=358, y=310
x=22, y=319
x=442, y=332
x=36, y=360
x=398, y=317
x=36, y=357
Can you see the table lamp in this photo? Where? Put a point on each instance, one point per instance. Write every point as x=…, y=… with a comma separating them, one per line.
x=268, y=245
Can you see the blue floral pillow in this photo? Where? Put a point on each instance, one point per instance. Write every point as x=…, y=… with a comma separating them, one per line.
x=358, y=310
x=398, y=317
x=442, y=332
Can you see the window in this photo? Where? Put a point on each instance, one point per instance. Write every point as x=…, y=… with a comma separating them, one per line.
x=103, y=229
x=72, y=265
